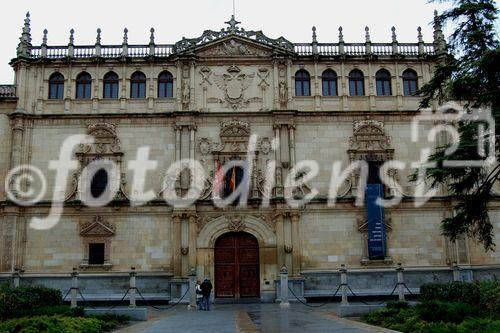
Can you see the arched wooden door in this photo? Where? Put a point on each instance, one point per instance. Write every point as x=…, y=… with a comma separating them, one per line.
x=237, y=266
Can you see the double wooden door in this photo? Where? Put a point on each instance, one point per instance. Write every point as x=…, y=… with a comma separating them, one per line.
x=237, y=266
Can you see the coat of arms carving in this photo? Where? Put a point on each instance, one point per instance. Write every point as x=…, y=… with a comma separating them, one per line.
x=233, y=84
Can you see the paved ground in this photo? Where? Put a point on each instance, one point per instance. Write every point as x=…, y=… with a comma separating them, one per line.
x=249, y=318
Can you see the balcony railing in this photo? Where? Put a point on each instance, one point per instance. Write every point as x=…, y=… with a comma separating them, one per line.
x=7, y=91
x=302, y=49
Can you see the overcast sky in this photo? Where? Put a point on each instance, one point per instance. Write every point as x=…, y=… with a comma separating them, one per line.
x=172, y=20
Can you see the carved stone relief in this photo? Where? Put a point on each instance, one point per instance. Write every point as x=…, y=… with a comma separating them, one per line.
x=233, y=84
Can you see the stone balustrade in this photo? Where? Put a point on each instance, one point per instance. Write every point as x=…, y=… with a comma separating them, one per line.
x=166, y=50
x=7, y=91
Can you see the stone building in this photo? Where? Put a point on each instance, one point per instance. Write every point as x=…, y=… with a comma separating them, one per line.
x=203, y=98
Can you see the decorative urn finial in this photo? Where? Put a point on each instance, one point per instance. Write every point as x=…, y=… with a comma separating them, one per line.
x=44, y=39
x=394, y=37
x=98, y=37
x=367, y=34
x=125, y=36
x=71, y=36
x=152, y=36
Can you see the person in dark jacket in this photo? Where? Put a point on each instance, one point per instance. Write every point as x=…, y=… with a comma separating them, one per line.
x=206, y=289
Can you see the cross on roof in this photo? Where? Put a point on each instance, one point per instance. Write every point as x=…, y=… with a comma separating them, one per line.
x=232, y=24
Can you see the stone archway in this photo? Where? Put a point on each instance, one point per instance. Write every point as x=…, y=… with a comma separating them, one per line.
x=211, y=229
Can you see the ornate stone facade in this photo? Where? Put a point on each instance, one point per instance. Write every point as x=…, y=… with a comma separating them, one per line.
x=226, y=87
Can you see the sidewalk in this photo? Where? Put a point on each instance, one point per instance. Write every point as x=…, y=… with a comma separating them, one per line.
x=250, y=318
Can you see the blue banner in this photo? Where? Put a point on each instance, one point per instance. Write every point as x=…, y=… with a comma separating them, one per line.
x=376, y=225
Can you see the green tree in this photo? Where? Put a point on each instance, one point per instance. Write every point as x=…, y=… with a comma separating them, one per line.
x=467, y=71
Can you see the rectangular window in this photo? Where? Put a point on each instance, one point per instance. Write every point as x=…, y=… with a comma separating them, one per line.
x=410, y=87
x=56, y=91
x=83, y=91
x=138, y=90
x=383, y=88
x=96, y=254
x=165, y=90
x=356, y=88
x=110, y=90
x=329, y=88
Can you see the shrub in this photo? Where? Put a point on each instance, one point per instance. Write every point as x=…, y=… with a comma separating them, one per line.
x=64, y=310
x=53, y=324
x=435, y=311
x=21, y=301
x=479, y=325
x=451, y=292
x=484, y=294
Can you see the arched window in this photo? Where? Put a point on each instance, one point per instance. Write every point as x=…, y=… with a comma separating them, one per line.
x=232, y=180
x=329, y=79
x=356, y=83
x=410, y=82
x=56, y=86
x=383, y=80
x=138, y=85
x=83, y=86
x=302, y=83
x=111, y=85
x=165, y=85
x=99, y=183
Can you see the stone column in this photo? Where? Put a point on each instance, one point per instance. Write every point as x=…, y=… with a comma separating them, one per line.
x=343, y=284
x=16, y=278
x=289, y=83
x=132, y=286
x=295, y=216
x=192, y=143
x=192, y=289
x=192, y=241
x=317, y=88
x=74, y=288
x=176, y=244
x=280, y=240
x=279, y=169
x=456, y=272
x=192, y=83
x=401, y=285
x=178, y=134
x=276, y=80
x=17, y=124
x=284, y=288
x=291, y=144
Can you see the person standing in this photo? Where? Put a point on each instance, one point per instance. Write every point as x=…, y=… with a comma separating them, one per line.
x=199, y=296
x=206, y=289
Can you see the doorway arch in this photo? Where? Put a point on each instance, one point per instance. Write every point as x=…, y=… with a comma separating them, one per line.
x=237, y=266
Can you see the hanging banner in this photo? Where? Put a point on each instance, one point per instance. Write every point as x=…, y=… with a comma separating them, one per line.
x=376, y=225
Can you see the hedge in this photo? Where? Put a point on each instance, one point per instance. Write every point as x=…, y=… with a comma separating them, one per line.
x=23, y=301
x=484, y=294
x=51, y=324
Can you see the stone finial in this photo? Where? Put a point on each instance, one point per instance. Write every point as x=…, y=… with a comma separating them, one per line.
x=420, y=37
x=439, y=42
x=44, y=39
x=341, y=35
x=98, y=37
x=24, y=46
x=27, y=27
x=367, y=34
x=71, y=36
x=315, y=36
x=152, y=36
x=394, y=36
x=125, y=36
